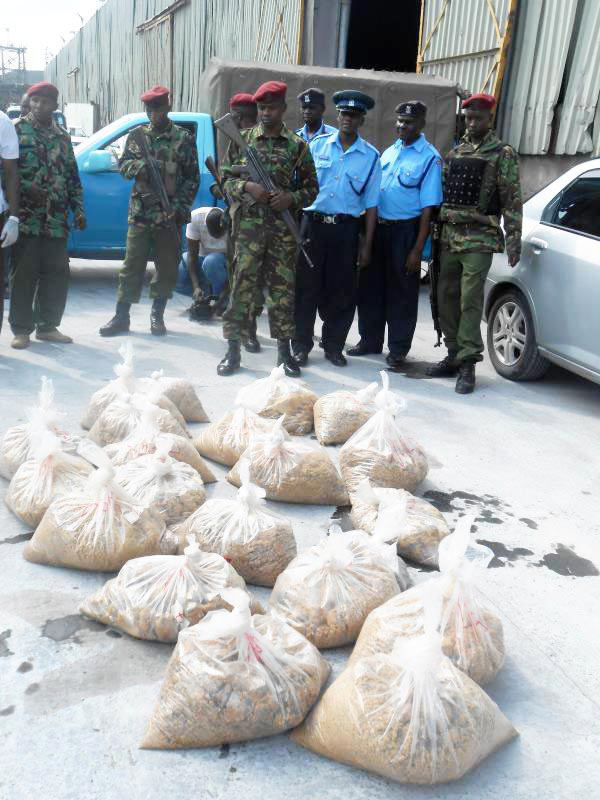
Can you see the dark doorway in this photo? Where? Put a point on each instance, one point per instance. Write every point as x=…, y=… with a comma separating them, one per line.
x=384, y=35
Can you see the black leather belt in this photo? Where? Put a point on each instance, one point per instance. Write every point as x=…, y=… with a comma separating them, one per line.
x=330, y=219
x=411, y=221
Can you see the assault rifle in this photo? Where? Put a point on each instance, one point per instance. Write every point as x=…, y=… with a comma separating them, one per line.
x=434, y=274
x=212, y=168
x=156, y=182
x=259, y=174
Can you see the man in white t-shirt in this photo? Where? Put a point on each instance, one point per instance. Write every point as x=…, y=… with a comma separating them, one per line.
x=203, y=269
x=9, y=195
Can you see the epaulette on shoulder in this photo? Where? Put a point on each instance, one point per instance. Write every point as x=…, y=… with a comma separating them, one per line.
x=370, y=146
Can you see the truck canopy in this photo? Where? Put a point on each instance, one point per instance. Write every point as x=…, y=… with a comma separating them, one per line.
x=222, y=79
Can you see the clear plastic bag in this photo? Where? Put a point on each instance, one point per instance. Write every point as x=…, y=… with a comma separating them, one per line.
x=98, y=527
x=179, y=391
x=156, y=597
x=409, y=715
x=122, y=386
x=276, y=395
x=225, y=441
x=233, y=678
x=258, y=543
x=48, y=475
x=340, y=414
x=395, y=515
x=122, y=417
x=327, y=592
x=19, y=441
x=380, y=451
x=292, y=472
x=157, y=481
x=142, y=441
x=472, y=633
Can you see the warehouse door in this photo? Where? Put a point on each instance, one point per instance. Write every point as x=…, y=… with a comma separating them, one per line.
x=157, y=50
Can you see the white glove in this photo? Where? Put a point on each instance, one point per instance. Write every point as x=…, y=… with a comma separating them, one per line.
x=10, y=232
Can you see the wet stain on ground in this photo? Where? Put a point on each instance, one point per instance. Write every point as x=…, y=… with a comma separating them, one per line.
x=342, y=516
x=224, y=751
x=455, y=501
x=32, y=688
x=4, y=712
x=25, y=667
x=412, y=369
x=529, y=522
x=4, y=649
x=566, y=562
x=114, y=634
x=20, y=537
x=487, y=516
x=232, y=769
x=63, y=628
x=503, y=554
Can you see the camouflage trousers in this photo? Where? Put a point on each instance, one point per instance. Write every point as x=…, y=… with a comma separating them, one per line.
x=264, y=260
x=249, y=326
x=460, y=298
x=142, y=244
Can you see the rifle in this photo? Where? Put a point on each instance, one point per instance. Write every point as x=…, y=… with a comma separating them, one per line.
x=434, y=274
x=212, y=168
x=259, y=174
x=157, y=183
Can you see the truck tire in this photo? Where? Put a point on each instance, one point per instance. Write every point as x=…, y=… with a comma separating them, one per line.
x=511, y=339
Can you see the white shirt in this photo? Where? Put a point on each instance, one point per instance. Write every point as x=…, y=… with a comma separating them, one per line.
x=196, y=231
x=9, y=149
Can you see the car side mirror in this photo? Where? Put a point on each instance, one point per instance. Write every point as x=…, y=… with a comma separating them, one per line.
x=99, y=161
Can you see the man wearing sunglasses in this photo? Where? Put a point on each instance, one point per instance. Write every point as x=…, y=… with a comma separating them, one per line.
x=150, y=228
x=411, y=188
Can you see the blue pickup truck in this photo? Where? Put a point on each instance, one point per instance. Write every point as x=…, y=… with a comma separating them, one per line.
x=106, y=193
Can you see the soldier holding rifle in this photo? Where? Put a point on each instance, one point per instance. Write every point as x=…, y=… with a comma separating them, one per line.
x=163, y=160
x=265, y=245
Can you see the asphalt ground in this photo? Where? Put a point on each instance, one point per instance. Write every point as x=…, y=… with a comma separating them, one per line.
x=75, y=697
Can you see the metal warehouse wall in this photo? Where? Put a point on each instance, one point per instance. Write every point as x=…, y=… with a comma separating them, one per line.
x=110, y=62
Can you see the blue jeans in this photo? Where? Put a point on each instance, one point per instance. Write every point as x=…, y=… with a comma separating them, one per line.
x=212, y=275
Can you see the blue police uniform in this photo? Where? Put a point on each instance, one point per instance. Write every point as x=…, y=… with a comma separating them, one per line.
x=304, y=133
x=411, y=180
x=349, y=184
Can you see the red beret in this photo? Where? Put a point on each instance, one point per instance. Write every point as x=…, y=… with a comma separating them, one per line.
x=241, y=99
x=45, y=89
x=155, y=93
x=480, y=102
x=271, y=90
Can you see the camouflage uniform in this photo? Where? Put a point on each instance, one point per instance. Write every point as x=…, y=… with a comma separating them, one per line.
x=50, y=189
x=149, y=226
x=477, y=192
x=265, y=251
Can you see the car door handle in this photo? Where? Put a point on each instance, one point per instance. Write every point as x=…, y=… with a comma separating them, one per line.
x=537, y=244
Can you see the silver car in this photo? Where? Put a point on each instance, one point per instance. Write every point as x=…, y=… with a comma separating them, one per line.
x=546, y=309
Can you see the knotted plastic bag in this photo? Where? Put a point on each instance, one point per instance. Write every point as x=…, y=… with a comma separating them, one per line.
x=121, y=386
x=225, y=441
x=142, y=441
x=276, y=395
x=380, y=451
x=123, y=416
x=179, y=391
x=327, y=592
x=157, y=481
x=292, y=472
x=258, y=543
x=232, y=678
x=99, y=526
x=395, y=515
x=408, y=714
x=472, y=633
x=156, y=597
x=19, y=441
x=339, y=414
x=49, y=474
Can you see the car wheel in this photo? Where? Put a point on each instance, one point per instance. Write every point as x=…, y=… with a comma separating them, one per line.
x=511, y=340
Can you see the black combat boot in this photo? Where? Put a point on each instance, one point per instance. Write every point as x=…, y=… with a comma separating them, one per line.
x=119, y=323
x=157, y=323
x=232, y=360
x=285, y=357
x=251, y=343
x=465, y=383
x=446, y=368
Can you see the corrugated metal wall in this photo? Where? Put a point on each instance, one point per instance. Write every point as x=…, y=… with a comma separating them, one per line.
x=108, y=63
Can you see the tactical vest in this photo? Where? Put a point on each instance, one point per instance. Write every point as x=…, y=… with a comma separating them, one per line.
x=471, y=183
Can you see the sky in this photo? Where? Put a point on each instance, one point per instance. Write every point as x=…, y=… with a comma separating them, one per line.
x=39, y=25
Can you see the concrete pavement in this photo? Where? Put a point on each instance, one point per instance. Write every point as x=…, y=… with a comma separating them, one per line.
x=75, y=697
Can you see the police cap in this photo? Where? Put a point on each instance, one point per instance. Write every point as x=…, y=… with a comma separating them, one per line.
x=313, y=97
x=411, y=108
x=351, y=100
